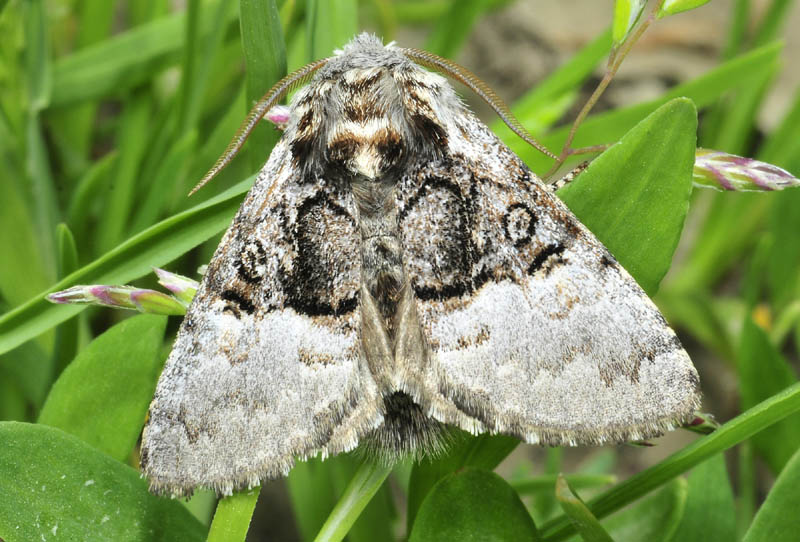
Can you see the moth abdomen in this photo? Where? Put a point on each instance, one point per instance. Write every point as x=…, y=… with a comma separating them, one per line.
x=406, y=431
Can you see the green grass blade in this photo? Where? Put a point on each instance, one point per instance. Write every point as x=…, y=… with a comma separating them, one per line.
x=26, y=272
x=156, y=246
x=265, y=58
x=232, y=517
x=123, y=62
x=609, y=127
x=773, y=20
x=66, y=345
x=366, y=482
x=134, y=137
x=453, y=27
x=762, y=373
x=728, y=435
x=329, y=25
x=547, y=482
x=565, y=80
x=581, y=517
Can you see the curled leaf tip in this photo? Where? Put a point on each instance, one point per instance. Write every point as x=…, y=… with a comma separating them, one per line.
x=723, y=171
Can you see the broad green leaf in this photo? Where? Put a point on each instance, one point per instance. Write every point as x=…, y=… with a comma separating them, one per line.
x=741, y=428
x=635, y=196
x=710, y=513
x=762, y=373
x=652, y=518
x=581, y=517
x=472, y=505
x=265, y=59
x=777, y=519
x=484, y=452
x=132, y=259
x=103, y=395
x=57, y=487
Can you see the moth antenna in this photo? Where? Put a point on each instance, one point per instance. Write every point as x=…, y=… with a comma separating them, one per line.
x=484, y=91
x=273, y=96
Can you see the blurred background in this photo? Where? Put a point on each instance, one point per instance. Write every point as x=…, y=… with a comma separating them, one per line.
x=110, y=111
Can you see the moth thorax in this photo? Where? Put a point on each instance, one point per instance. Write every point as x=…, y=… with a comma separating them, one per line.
x=367, y=131
x=372, y=150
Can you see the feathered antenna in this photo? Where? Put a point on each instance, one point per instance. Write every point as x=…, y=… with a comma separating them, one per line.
x=463, y=75
x=273, y=96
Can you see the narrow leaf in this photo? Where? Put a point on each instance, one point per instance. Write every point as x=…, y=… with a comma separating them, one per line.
x=671, y=7
x=265, y=59
x=155, y=246
x=581, y=517
x=366, y=482
x=739, y=429
x=763, y=372
x=626, y=13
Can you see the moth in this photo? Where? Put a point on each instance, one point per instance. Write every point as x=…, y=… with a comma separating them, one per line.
x=396, y=269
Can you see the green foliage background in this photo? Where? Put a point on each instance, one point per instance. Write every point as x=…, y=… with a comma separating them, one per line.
x=111, y=111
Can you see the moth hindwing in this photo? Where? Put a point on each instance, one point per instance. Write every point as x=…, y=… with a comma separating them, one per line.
x=396, y=268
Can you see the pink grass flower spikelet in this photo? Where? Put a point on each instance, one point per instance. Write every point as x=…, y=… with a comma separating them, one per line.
x=182, y=287
x=723, y=171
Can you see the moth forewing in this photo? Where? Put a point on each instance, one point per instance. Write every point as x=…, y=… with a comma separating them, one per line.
x=396, y=268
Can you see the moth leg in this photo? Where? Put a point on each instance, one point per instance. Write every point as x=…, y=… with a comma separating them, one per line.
x=568, y=178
